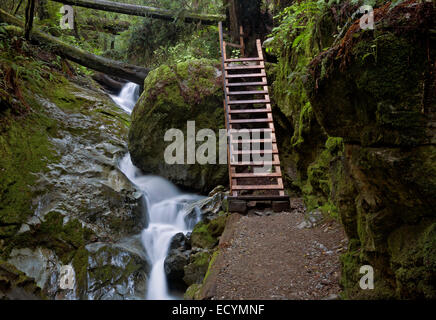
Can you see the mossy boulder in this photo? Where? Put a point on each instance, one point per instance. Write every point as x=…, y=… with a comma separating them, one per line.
x=375, y=90
x=174, y=95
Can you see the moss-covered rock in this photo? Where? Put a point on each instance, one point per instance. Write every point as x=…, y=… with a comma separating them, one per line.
x=205, y=234
x=197, y=268
x=173, y=95
x=375, y=90
x=193, y=292
x=355, y=131
x=115, y=272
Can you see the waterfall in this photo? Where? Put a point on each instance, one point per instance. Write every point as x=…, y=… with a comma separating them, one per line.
x=164, y=209
x=127, y=97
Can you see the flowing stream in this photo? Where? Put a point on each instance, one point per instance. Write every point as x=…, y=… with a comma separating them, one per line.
x=164, y=209
x=127, y=97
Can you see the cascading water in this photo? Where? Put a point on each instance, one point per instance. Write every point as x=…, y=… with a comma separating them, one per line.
x=128, y=96
x=165, y=211
x=166, y=217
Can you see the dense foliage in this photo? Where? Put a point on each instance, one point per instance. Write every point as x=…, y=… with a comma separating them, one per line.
x=138, y=40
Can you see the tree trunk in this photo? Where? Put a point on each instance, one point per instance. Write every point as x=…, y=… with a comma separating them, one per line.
x=30, y=10
x=143, y=11
x=75, y=26
x=105, y=25
x=122, y=70
x=233, y=21
x=249, y=15
x=42, y=10
x=18, y=7
x=108, y=83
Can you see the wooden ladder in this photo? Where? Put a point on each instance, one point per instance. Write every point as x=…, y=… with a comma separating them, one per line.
x=253, y=156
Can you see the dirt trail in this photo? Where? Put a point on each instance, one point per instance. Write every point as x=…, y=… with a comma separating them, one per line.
x=267, y=255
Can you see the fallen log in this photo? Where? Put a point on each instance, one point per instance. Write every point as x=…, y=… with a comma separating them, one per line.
x=144, y=11
x=119, y=69
x=105, y=25
x=111, y=85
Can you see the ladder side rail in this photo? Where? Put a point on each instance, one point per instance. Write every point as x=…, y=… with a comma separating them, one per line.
x=226, y=107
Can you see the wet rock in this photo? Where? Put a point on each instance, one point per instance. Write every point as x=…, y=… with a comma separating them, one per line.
x=115, y=272
x=209, y=207
x=40, y=264
x=180, y=242
x=176, y=260
x=15, y=285
x=174, y=265
x=67, y=192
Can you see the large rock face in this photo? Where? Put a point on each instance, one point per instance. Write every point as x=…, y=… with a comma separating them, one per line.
x=61, y=189
x=376, y=90
x=173, y=95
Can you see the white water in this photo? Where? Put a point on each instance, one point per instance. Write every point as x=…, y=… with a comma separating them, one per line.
x=127, y=97
x=165, y=212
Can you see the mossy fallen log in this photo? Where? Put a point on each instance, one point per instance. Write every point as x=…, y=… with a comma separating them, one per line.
x=144, y=11
x=105, y=25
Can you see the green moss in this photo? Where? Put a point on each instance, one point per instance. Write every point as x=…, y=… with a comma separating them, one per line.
x=206, y=233
x=212, y=261
x=322, y=174
x=80, y=265
x=201, y=259
x=335, y=145
x=25, y=150
x=413, y=251
x=303, y=125
x=193, y=292
x=53, y=234
x=196, y=269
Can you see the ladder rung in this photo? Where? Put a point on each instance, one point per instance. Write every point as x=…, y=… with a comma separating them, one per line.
x=246, y=75
x=244, y=67
x=246, y=130
x=243, y=59
x=256, y=175
x=250, y=120
x=253, y=141
x=255, y=163
x=237, y=93
x=258, y=101
x=247, y=84
x=238, y=152
x=258, y=187
x=262, y=110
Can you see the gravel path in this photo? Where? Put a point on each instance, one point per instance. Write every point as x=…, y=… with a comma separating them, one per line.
x=266, y=255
